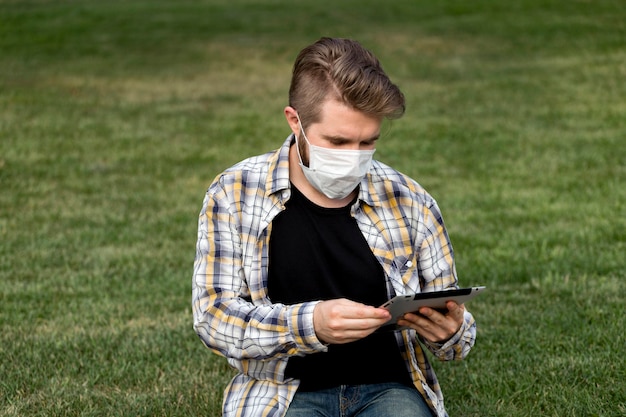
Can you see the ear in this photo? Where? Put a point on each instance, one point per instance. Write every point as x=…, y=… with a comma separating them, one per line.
x=292, y=119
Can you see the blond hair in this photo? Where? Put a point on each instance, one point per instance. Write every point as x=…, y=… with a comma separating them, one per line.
x=342, y=69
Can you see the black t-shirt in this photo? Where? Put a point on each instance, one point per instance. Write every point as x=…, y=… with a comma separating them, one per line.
x=319, y=253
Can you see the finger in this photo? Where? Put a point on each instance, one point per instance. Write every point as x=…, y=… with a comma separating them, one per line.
x=453, y=306
x=361, y=322
x=351, y=310
x=433, y=314
x=413, y=320
x=369, y=312
x=428, y=331
x=348, y=330
x=437, y=330
x=457, y=311
x=424, y=327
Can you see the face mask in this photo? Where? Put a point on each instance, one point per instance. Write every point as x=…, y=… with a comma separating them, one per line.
x=335, y=172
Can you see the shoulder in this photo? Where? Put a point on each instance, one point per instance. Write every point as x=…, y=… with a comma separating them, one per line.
x=269, y=171
x=251, y=172
x=388, y=183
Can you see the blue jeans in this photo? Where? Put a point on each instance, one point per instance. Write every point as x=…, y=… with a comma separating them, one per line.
x=376, y=400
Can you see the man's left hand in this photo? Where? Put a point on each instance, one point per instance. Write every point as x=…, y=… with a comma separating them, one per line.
x=433, y=325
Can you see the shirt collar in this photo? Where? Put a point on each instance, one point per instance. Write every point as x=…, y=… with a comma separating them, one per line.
x=278, y=175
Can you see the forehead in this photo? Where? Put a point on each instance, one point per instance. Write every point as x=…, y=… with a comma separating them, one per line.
x=340, y=120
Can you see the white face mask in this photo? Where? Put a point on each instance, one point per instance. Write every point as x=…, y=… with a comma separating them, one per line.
x=334, y=172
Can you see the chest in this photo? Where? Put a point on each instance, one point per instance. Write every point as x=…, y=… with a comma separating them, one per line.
x=319, y=253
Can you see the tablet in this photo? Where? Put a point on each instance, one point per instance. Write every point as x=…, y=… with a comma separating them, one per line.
x=410, y=303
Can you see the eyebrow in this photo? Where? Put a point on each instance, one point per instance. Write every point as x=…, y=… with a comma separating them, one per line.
x=334, y=138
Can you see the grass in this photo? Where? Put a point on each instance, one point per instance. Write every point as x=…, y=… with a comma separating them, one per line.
x=115, y=116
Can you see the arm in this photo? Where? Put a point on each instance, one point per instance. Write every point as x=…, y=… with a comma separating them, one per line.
x=225, y=318
x=451, y=335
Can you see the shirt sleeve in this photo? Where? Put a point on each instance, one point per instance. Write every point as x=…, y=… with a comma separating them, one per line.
x=438, y=272
x=225, y=318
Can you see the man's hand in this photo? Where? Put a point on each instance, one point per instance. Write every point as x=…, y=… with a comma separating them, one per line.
x=343, y=321
x=433, y=325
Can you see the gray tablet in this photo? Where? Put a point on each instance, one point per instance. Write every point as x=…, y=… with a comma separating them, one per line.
x=410, y=303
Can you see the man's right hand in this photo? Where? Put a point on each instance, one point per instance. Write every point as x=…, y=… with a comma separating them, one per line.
x=343, y=321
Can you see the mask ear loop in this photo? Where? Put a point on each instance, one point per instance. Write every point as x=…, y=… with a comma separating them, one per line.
x=305, y=139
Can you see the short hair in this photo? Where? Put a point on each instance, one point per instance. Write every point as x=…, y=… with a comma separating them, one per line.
x=342, y=69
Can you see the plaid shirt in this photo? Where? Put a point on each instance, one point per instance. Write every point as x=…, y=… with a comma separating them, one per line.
x=233, y=315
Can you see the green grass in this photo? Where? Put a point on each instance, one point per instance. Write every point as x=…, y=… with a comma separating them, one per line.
x=115, y=116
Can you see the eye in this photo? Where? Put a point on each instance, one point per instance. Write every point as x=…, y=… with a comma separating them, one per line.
x=338, y=141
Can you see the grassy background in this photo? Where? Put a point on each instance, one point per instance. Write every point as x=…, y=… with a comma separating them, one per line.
x=116, y=115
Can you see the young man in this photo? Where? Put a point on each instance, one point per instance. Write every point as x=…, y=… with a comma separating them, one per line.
x=298, y=248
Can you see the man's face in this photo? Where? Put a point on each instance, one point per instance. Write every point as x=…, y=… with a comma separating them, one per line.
x=341, y=127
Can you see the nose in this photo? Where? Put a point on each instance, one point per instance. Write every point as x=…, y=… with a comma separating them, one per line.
x=353, y=146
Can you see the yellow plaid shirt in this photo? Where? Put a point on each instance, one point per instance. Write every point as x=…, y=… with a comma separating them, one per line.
x=233, y=315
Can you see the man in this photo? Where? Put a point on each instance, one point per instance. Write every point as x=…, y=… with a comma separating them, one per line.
x=298, y=248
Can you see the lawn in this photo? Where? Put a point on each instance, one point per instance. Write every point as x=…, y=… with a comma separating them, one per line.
x=115, y=116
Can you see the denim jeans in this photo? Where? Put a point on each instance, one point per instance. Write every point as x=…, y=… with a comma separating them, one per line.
x=376, y=400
